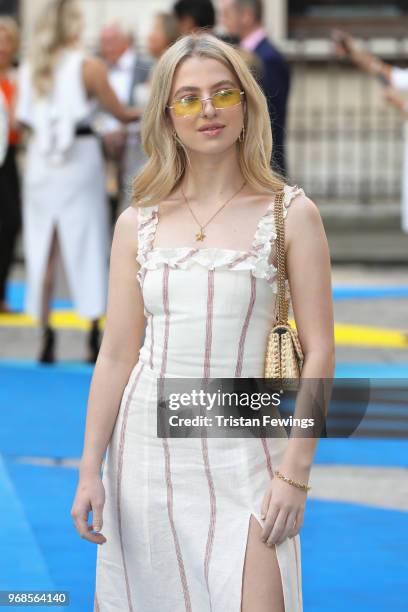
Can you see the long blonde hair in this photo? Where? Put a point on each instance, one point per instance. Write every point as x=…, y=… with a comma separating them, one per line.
x=56, y=28
x=167, y=161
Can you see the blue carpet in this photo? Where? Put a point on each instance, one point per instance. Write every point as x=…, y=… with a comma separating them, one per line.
x=353, y=556
x=46, y=411
x=47, y=495
x=15, y=297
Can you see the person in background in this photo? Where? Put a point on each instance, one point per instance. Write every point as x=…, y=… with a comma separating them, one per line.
x=64, y=200
x=126, y=70
x=10, y=207
x=165, y=31
x=243, y=18
x=394, y=80
x=194, y=14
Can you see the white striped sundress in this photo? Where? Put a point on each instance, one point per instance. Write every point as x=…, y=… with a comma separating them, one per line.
x=177, y=511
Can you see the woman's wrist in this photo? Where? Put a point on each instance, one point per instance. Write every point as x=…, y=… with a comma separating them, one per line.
x=298, y=470
x=89, y=467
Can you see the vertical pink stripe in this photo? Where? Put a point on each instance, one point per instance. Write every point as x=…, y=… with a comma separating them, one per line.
x=204, y=442
x=268, y=457
x=119, y=482
x=150, y=314
x=165, y=290
x=208, y=333
x=242, y=339
x=151, y=340
x=213, y=511
x=166, y=448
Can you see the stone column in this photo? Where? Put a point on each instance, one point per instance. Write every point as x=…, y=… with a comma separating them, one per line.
x=276, y=19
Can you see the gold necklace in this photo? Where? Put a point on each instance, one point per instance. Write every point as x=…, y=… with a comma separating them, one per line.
x=200, y=235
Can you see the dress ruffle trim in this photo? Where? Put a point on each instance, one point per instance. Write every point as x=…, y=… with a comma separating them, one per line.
x=256, y=259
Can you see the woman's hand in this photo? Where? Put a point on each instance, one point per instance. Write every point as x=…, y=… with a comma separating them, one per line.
x=90, y=495
x=394, y=98
x=345, y=43
x=283, y=508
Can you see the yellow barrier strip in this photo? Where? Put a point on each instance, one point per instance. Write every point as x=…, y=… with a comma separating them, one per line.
x=345, y=335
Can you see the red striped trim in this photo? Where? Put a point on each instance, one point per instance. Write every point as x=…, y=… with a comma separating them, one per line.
x=213, y=515
x=208, y=333
x=148, y=221
x=242, y=339
x=268, y=457
x=239, y=259
x=189, y=254
x=119, y=482
x=166, y=448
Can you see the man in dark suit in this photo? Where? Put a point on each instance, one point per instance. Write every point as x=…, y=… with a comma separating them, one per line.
x=244, y=18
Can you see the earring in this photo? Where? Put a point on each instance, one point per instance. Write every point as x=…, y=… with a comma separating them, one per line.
x=242, y=134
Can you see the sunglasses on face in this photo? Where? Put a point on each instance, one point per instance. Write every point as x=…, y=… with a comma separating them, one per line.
x=194, y=105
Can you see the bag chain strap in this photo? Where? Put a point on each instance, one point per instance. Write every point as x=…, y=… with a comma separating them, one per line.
x=282, y=302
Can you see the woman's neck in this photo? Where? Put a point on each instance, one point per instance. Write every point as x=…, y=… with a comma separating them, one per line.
x=212, y=177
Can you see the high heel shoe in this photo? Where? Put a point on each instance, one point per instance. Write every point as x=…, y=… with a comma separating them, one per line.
x=47, y=353
x=93, y=344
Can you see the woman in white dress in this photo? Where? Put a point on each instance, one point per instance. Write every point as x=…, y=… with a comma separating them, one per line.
x=64, y=201
x=200, y=524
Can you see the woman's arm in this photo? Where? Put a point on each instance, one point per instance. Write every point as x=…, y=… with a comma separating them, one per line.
x=97, y=84
x=396, y=100
x=347, y=47
x=309, y=273
x=117, y=356
x=119, y=350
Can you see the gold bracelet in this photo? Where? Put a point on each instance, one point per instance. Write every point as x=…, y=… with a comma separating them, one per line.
x=300, y=485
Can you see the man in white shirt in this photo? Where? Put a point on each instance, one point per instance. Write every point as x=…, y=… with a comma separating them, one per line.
x=122, y=144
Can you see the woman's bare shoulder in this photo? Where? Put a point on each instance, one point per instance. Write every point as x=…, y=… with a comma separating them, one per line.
x=302, y=210
x=126, y=227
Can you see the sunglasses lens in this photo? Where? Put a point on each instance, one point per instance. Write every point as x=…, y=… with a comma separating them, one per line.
x=227, y=97
x=187, y=106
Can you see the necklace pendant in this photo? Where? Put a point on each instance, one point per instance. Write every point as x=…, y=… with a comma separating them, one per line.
x=200, y=235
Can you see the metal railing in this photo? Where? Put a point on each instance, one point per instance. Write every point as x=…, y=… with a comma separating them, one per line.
x=344, y=141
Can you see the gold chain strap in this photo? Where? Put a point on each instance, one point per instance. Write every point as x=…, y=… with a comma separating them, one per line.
x=282, y=303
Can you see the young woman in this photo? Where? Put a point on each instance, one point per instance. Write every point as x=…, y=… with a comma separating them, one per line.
x=200, y=524
x=64, y=201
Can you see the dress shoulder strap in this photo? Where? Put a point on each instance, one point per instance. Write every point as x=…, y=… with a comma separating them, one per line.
x=266, y=231
x=147, y=223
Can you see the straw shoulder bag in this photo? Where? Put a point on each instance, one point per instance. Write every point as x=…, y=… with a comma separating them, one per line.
x=284, y=355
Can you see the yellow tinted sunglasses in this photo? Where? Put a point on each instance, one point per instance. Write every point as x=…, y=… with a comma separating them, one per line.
x=194, y=105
